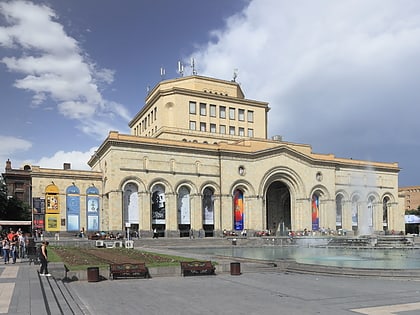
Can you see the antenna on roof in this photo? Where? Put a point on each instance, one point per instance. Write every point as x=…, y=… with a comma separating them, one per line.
x=162, y=73
x=180, y=68
x=194, y=72
x=235, y=74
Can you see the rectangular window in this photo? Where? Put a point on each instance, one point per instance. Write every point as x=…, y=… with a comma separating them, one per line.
x=222, y=112
x=241, y=131
x=212, y=110
x=203, y=109
x=193, y=108
x=232, y=130
x=241, y=114
x=193, y=125
x=213, y=128
x=202, y=126
x=250, y=116
x=231, y=113
x=250, y=132
x=222, y=129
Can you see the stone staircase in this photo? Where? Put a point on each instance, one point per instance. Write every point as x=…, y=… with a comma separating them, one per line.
x=59, y=299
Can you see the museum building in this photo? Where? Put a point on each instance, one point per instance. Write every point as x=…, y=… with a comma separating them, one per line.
x=198, y=159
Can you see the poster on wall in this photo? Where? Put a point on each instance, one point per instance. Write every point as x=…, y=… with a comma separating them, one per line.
x=52, y=204
x=354, y=214
x=73, y=222
x=158, y=207
x=238, y=206
x=184, y=207
x=53, y=222
x=315, y=212
x=92, y=204
x=208, y=208
x=39, y=221
x=38, y=205
x=93, y=224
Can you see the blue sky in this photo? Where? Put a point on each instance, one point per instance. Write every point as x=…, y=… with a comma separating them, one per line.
x=341, y=76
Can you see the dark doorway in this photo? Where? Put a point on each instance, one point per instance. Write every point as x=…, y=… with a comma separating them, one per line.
x=279, y=220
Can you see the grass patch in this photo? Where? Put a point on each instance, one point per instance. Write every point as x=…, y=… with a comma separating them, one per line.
x=76, y=258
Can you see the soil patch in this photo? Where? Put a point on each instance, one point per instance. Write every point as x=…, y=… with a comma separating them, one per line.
x=102, y=256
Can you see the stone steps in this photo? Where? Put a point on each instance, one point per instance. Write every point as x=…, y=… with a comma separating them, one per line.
x=59, y=299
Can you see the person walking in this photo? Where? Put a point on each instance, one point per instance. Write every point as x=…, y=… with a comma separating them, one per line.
x=13, y=248
x=6, y=249
x=43, y=257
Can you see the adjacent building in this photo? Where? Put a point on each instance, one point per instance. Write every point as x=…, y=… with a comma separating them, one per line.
x=198, y=159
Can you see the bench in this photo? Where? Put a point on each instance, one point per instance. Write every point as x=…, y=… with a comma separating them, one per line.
x=193, y=268
x=128, y=270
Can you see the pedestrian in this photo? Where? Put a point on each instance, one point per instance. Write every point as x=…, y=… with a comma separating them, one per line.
x=155, y=233
x=6, y=249
x=13, y=248
x=43, y=257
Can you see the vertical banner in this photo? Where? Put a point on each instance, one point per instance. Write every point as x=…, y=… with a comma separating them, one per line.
x=92, y=209
x=92, y=213
x=158, y=207
x=184, y=206
x=238, y=206
x=315, y=212
x=73, y=208
x=208, y=207
x=38, y=205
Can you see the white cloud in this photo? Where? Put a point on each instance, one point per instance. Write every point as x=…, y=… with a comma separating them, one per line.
x=53, y=65
x=339, y=75
x=10, y=145
x=77, y=159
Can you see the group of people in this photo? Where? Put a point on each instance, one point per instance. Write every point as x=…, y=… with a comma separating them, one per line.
x=13, y=246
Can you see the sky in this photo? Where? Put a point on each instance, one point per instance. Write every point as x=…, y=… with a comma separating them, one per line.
x=341, y=76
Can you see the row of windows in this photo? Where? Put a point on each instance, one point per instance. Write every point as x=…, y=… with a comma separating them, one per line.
x=147, y=120
x=222, y=112
x=222, y=129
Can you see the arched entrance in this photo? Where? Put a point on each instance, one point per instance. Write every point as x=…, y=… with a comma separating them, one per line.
x=278, y=208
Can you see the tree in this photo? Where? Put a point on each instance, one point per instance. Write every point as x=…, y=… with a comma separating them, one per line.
x=12, y=208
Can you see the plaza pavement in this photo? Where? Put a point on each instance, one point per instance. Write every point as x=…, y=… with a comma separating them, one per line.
x=22, y=291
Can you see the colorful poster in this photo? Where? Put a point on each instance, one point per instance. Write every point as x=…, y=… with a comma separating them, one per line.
x=53, y=222
x=39, y=221
x=52, y=204
x=238, y=206
x=38, y=205
x=315, y=212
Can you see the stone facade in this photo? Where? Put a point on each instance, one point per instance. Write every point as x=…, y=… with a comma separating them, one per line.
x=211, y=168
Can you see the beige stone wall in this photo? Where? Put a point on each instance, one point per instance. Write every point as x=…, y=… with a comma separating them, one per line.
x=41, y=178
x=174, y=167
